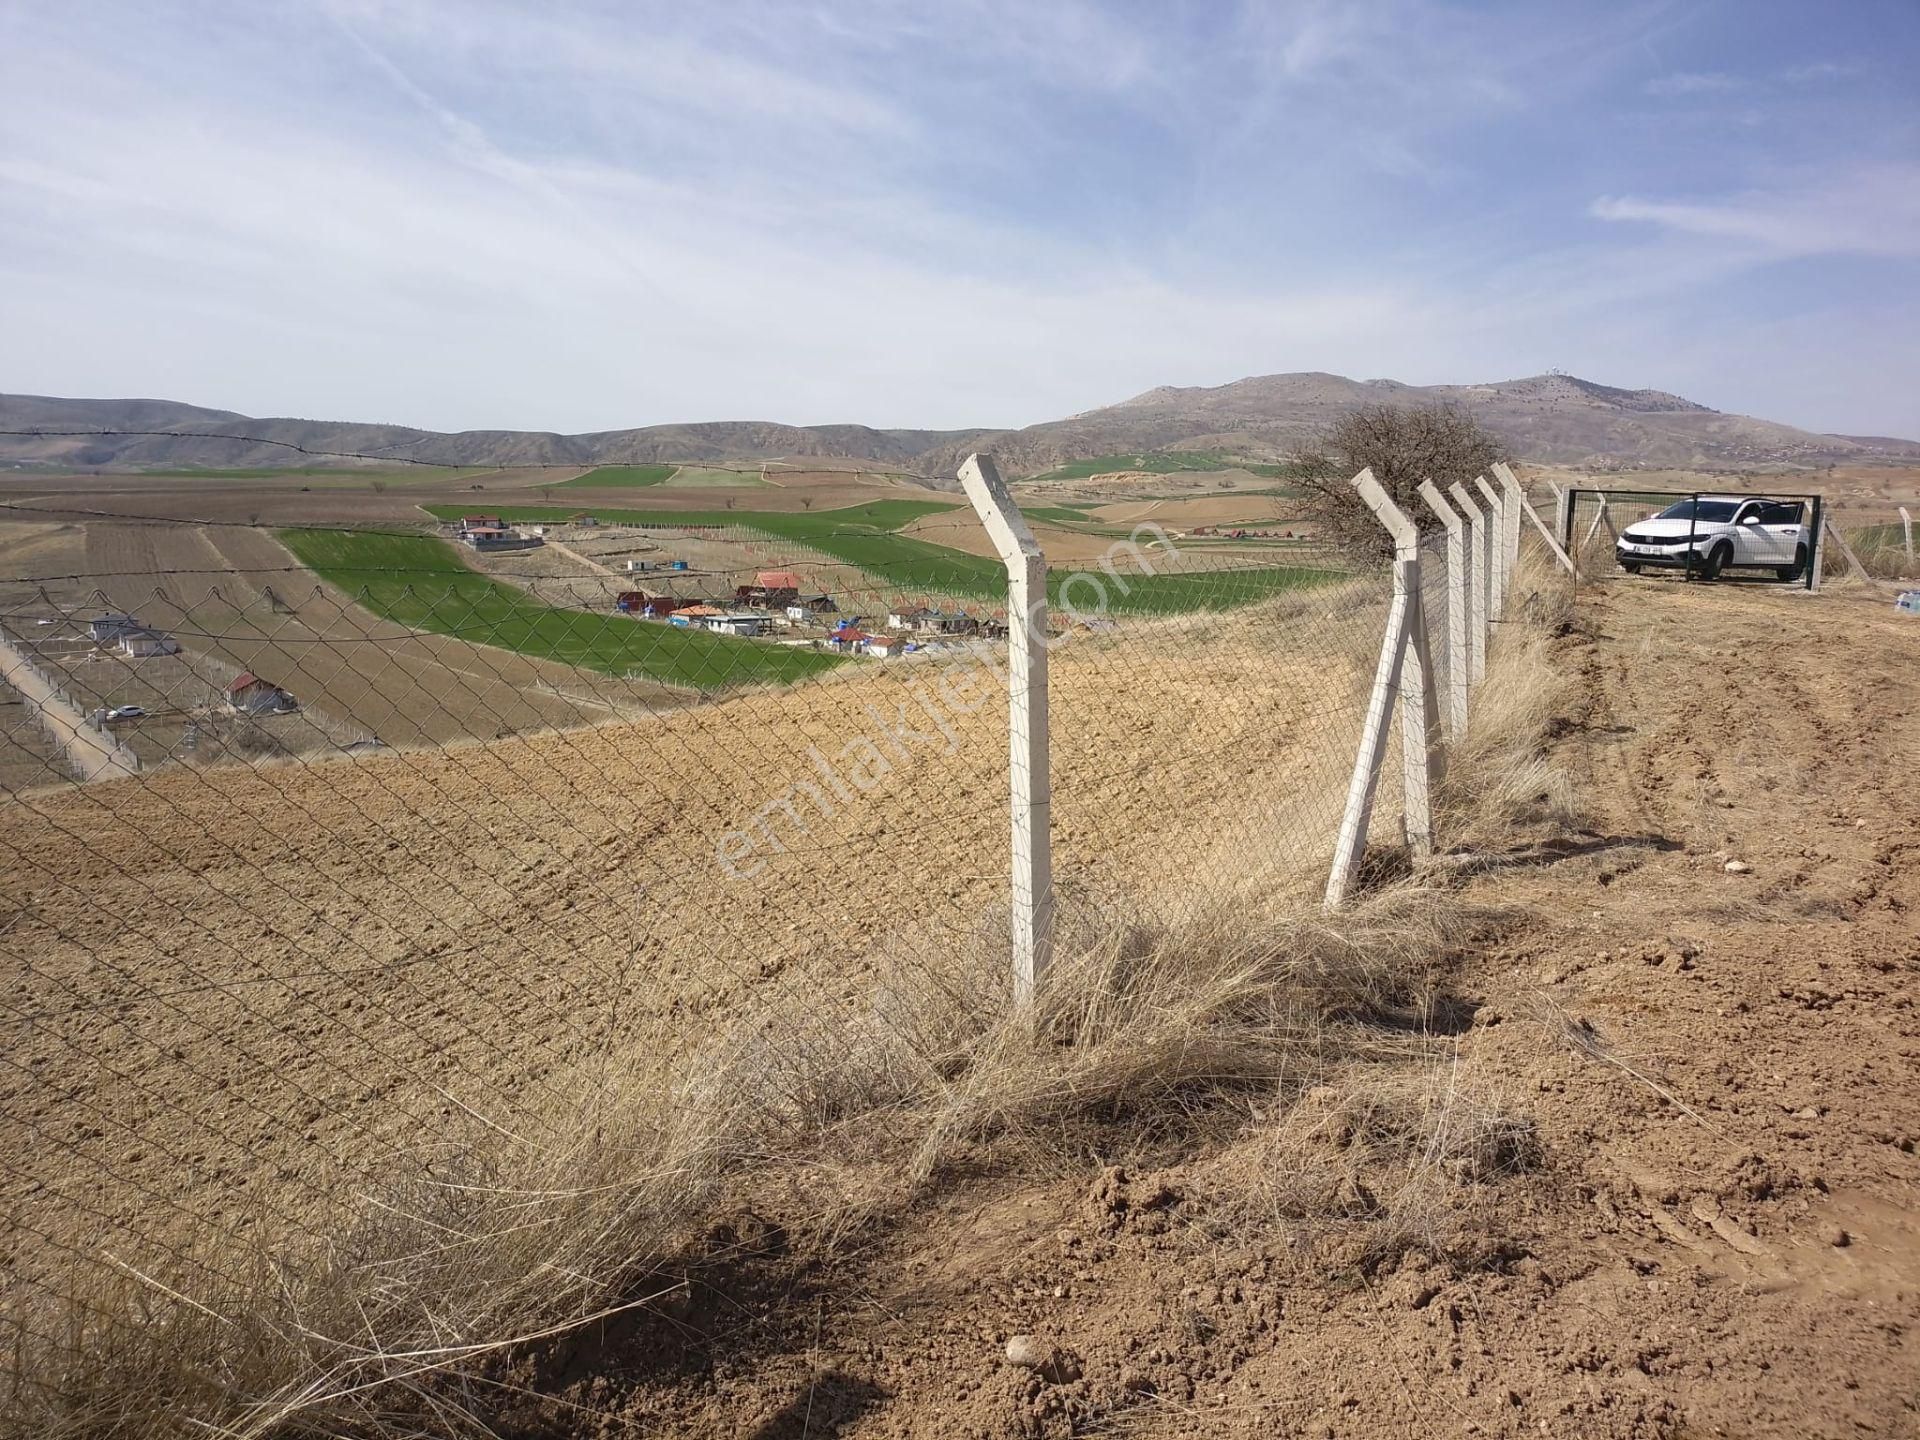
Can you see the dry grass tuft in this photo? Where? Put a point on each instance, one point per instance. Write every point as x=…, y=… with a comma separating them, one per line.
x=1498, y=776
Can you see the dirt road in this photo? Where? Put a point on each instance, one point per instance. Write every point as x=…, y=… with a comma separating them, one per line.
x=89, y=754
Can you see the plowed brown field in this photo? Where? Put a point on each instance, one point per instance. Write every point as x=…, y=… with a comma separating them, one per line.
x=244, y=983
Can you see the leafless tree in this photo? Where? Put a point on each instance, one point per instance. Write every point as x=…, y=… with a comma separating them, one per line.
x=1402, y=446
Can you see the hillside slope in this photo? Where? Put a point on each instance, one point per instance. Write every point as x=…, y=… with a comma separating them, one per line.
x=1551, y=419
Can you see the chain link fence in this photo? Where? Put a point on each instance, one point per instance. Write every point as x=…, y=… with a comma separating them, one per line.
x=332, y=857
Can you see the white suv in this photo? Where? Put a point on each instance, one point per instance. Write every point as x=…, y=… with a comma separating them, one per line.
x=1706, y=535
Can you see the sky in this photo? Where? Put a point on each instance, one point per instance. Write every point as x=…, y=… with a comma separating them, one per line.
x=479, y=214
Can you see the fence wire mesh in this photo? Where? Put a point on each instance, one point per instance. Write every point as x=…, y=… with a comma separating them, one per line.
x=325, y=852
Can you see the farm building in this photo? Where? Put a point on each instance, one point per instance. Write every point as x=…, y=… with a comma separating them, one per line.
x=738, y=623
x=250, y=695
x=471, y=523
x=482, y=537
x=802, y=606
x=108, y=629
x=770, y=588
x=927, y=621
x=885, y=647
x=140, y=642
x=643, y=602
x=849, y=638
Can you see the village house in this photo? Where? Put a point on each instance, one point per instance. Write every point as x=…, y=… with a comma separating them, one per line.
x=141, y=643
x=250, y=695
x=771, y=588
x=885, y=647
x=924, y=620
x=739, y=623
x=108, y=629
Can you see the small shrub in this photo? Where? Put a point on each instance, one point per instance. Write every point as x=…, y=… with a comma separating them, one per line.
x=1402, y=446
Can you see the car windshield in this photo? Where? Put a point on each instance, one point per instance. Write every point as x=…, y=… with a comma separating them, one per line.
x=1699, y=510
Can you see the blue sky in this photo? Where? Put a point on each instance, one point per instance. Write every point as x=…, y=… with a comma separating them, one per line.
x=486, y=213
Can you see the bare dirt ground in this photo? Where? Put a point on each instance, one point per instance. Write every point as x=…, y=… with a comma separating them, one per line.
x=1717, y=1236
x=348, y=499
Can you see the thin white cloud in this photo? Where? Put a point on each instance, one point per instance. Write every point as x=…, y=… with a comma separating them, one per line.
x=1867, y=211
x=1822, y=72
x=1691, y=82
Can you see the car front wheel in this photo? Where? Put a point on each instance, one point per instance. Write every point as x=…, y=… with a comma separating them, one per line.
x=1632, y=567
x=1716, y=561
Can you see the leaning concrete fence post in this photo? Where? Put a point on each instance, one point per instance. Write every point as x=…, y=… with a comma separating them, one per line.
x=1029, y=777
x=1514, y=498
x=1906, y=533
x=1496, y=549
x=1459, y=653
x=1402, y=648
x=1478, y=579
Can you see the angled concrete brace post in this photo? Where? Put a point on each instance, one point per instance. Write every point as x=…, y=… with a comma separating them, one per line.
x=1600, y=518
x=1030, y=779
x=1400, y=650
x=1906, y=531
x=1846, y=552
x=1524, y=506
x=1562, y=507
x=1459, y=653
x=1496, y=549
x=1476, y=580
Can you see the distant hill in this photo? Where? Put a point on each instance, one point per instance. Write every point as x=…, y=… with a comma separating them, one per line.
x=1553, y=419
x=200, y=443
x=1556, y=419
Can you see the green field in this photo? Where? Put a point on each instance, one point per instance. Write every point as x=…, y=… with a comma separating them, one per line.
x=1164, y=462
x=418, y=581
x=619, y=477
x=861, y=536
x=715, y=477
